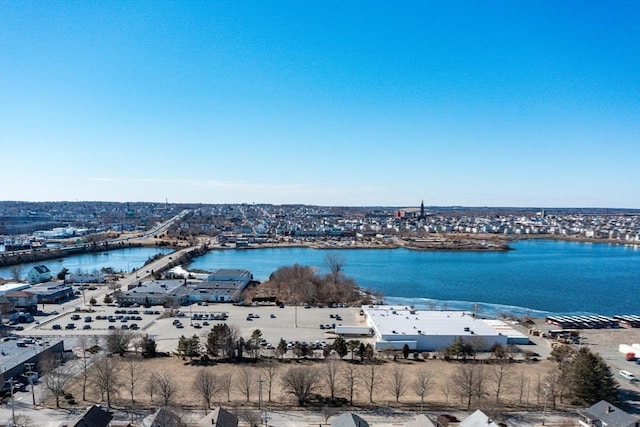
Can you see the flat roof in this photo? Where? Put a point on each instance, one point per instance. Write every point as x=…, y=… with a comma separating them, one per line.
x=11, y=355
x=8, y=287
x=48, y=287
x=402, y=320
x=219, y=284
x=155, y=287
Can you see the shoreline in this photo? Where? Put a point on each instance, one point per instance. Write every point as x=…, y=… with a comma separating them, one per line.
x=457, y=242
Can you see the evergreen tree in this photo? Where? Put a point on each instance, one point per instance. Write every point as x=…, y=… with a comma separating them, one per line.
x=405, y=351
x=591, y=379
x=340, y=347
x=281, y=350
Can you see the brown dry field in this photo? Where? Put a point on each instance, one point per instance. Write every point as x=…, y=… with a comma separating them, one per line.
x=184, y=373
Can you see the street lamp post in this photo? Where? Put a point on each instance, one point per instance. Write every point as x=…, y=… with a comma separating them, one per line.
x=13, y=403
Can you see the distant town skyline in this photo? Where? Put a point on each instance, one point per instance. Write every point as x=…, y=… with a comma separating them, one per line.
x=322, y=103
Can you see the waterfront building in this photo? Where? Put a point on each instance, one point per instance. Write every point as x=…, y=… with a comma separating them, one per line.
x=216, y=291
x=51, y=292
x=39, y=274
x=156, y=292
x=394, y=327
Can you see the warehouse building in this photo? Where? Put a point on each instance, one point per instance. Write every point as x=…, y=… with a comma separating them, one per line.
x=394, y=327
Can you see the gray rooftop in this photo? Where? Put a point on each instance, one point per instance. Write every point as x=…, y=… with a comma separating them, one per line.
x=609, y=414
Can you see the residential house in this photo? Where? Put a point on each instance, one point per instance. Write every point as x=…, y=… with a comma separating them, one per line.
x=94, y=416
x=349, y=419
x=421, y=421
x=605, y=414
x=219, y=418
x=39, y=274
x=162, y=417
x=478, y=419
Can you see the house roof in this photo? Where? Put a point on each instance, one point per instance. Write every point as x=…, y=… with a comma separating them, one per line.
x=420, y=421
x=349, y=420
x=94, y=416
x=42, y=269
x=609, y=414
x=220, y=418
x=478, y=419
x=162, y=417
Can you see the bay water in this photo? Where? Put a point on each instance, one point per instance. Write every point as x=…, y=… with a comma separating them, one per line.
x=123, y=260
x=537, y=277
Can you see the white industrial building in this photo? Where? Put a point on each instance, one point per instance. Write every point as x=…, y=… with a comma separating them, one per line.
x=394, y=327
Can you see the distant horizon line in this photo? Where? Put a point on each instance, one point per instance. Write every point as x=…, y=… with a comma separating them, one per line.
x=398, y=207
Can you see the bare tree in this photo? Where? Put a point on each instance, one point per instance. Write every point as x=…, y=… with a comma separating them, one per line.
x=330, y=373
x=370, y=376
x=468, y=381
x=150, y=385
x=16, y=272
x=134, y=374
x=252, y=418
x=205, y=384
x=422, y=385
x=57, y=375
x=446, y=388
x=397, y=381
x=523, y=384
x=499, y=374
x=83, y=342
x=24, y=421
x=246, y=382
x=350, y=379
x=335, y=263
x=226, y=384
x=270, y=370
x=106, y=376
x=118, y=340
x=301, y=382
x=167, y=388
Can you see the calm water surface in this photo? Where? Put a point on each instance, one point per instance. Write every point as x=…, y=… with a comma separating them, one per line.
x=537, y=276
x=119, y=259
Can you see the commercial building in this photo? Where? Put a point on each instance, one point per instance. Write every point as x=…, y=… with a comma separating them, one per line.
x=222, y=286
x=14, y=358
x=51, y=292
x=394, y=327
x=157, y=292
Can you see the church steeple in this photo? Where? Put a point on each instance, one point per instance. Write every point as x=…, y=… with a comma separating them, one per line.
x=422, y=210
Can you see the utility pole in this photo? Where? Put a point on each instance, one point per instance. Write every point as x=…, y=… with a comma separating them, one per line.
x=30, y=372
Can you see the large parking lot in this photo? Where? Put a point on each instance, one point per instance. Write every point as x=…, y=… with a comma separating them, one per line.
x=310, y=325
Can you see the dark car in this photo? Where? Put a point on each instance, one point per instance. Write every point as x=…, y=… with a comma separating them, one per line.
x=56, y=327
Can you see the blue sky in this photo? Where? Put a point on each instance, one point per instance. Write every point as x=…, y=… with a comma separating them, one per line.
x=322, y=102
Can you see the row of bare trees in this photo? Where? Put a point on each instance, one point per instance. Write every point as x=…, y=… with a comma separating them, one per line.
x=341, y=381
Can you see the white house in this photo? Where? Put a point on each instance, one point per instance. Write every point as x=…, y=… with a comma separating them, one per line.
x=39, y=274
